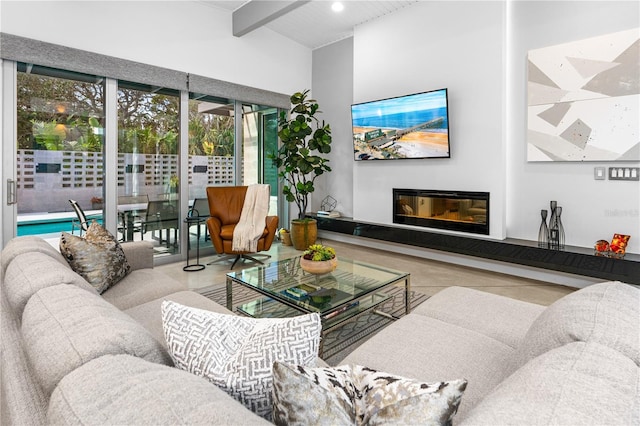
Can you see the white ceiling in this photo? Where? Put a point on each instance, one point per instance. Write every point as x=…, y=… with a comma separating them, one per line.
x=314, y=24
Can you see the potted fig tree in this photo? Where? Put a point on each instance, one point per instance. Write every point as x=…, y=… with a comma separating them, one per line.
x=304, y=141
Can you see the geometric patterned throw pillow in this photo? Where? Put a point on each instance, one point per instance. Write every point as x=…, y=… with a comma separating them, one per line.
x=97, y=257
x=237, y=353
x=356, y=395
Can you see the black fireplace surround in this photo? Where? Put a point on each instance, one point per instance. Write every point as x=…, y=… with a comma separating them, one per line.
x=572, y=260
x=462, y=211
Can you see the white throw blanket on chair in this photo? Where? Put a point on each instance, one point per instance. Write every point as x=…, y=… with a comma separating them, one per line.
x=252, y=219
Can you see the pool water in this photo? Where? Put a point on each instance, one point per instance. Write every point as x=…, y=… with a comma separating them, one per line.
x=45, y=227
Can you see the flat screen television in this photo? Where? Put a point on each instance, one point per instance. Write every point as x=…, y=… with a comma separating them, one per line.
x=410, y=126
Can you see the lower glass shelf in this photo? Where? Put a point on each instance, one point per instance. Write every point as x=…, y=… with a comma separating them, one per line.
x=267, y=307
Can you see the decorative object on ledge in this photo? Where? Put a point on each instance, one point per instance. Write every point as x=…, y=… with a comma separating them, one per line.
x=556, y=230
x=615, y=250
x=328, y=207
x=601, y=248
x=543, y=233
x=618, y=246
x=319, y=259
x=328, y=204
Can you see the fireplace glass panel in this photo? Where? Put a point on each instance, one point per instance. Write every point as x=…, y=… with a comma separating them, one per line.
x=452, y=210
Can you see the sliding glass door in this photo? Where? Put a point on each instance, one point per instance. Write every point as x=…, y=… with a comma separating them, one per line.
x=260, y=138
x=216, y=160
x=59, y=148
x=148, y=166
x=114, y=146
x=211, y=156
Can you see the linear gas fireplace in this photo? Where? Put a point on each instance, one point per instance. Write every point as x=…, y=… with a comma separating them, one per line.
x=452, y=210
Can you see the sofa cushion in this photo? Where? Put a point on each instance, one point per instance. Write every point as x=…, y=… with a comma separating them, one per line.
x=490, y=313
x=142, y=286
x=139, y=254
x=30, y=272
x=125, y=390
x=27, y=244
x=606, y=313
x=98, y=257
x=65, y=326
x=575, y=384
x=22, y=401
x=237, y=353
x=148, y=314
x=357, y=395
x=431, y=350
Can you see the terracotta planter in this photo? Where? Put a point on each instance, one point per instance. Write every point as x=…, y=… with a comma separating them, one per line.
x=318, y=267
x=304, y=232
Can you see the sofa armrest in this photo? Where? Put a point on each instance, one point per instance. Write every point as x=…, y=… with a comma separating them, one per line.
x=139, y=254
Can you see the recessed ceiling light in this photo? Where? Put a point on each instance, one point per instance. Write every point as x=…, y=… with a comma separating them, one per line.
x=337, y=6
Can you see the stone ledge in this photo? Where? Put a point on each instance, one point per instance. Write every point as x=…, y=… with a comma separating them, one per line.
x=572, y=260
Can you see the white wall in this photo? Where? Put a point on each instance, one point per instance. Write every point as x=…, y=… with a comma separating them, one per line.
x=428, y=46
x=333, y=89
x=478, y=50
x=181, y=35
x=592, y=210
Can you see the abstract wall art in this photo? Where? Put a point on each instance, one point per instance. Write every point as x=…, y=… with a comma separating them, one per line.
x=583, y=100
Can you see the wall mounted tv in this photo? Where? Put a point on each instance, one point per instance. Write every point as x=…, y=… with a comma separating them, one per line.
x=411, y=126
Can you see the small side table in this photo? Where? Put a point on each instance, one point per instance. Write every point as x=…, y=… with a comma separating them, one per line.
x=190, y=221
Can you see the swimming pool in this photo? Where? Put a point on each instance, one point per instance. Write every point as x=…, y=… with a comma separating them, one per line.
x=41, y=227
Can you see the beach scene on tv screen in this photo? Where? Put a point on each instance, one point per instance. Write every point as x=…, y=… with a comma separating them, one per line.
x=413, y=126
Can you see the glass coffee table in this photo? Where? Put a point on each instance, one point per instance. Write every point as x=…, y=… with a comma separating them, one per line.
x=341, y=296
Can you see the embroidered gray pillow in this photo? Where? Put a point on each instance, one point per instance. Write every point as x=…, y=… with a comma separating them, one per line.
x=98, y=257
x=357, y=395
x=237, y=353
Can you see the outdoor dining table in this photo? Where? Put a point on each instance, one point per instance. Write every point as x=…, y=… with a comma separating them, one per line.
x=128, y=213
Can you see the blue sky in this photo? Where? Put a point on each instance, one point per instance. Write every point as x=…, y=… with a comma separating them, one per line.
x=417, y=102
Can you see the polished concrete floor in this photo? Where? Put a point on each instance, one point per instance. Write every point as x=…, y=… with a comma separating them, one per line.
x=427, y=276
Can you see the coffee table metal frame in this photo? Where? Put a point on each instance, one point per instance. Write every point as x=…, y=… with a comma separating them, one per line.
x=272, y=279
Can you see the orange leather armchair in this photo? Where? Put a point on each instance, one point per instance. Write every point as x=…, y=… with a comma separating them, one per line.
x=225, y=207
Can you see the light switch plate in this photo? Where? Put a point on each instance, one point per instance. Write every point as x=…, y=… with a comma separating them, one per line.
x=600, y=173
x=624, y=173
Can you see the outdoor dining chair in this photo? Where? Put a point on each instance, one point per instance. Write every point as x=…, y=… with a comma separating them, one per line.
x=82, y=221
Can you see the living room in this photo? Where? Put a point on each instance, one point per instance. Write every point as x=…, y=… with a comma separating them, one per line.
x=573, y=363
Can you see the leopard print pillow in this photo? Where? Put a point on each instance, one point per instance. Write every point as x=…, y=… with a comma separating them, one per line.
x=357, y=395
x=98, y=257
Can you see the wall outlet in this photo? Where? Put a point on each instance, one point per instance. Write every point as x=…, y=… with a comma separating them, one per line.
x=624, y=173
x=600, y=173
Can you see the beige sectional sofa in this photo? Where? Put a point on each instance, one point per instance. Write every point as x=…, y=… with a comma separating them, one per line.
x=71, y=356
x=576, y=362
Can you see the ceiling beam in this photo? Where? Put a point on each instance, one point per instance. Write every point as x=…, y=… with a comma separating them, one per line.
x=255, y=14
